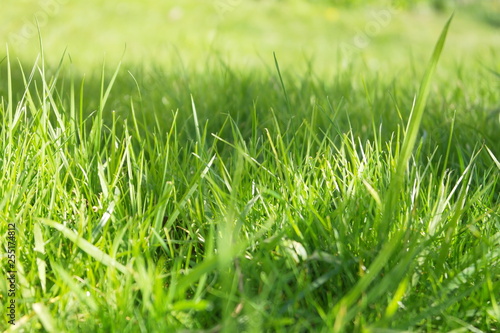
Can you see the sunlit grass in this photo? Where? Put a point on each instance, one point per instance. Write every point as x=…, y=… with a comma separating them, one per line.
x=242, y=32
x=167, y=201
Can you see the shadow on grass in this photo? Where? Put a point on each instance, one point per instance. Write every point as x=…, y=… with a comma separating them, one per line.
x=371, y=106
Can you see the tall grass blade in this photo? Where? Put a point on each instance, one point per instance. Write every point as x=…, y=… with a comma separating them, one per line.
x=45, y=317
x=10, y=101
x=493, y=157
x=196, y=123
x=105, y=94
x=86, y=247
x=391, y=203
x=342, y=308
x=282, y=83
x=40, y=260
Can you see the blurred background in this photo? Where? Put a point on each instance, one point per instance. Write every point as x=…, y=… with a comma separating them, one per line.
x=245, y=33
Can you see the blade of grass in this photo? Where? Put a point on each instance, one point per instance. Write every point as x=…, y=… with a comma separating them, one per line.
x=392, y=201
x=388, y=248
x=10, y=101
x=341, y=309
x=86, y=247
x=497, y=163
x=45, y=317
x=288, y=106
x=196, y=123
x=40, y=260
x=86, y=299
x=188, y=195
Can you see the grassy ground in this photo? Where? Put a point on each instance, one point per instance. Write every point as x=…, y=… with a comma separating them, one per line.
x=242, y=32
x=213, y=190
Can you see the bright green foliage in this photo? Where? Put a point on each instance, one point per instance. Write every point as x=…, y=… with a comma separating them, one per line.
x=234, y=201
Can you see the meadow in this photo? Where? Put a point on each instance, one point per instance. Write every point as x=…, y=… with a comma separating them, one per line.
x=249, y=166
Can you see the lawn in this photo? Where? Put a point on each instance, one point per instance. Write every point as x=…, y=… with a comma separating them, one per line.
x=249, y=166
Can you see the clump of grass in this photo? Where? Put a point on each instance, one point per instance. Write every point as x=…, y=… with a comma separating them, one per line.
x=132, y=217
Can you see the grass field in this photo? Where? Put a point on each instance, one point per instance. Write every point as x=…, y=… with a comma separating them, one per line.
x=249, y=167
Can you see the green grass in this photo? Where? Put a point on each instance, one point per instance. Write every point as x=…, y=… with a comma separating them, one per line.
x=244, y=33
x=225, y=199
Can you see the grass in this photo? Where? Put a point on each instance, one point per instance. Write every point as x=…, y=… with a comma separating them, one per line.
x=232, y=200
x=243, y=33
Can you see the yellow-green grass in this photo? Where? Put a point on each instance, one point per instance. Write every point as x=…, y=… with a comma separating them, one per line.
x=194, y=194
x=243, y=33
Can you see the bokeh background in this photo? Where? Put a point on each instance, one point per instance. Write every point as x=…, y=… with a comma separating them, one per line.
x=245, y=33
